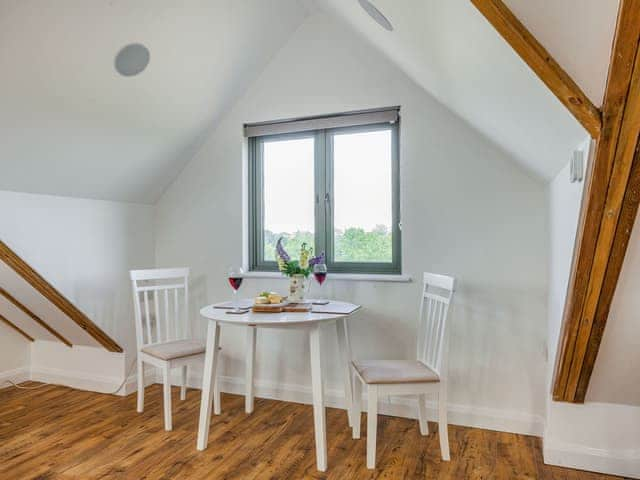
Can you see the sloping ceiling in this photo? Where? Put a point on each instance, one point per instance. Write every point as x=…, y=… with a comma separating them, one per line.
x=453, y=52
x=70, y=125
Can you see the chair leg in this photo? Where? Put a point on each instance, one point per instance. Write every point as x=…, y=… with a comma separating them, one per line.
x=372, y=425
x=183, y=385
x=217, y=406
x=356, y=406
x=442, y=423
x=140, y=386
x=167, y=398
x=422, y=414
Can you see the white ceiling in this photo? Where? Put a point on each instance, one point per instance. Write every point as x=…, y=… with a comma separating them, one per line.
x=70, y=125
x=449, y=49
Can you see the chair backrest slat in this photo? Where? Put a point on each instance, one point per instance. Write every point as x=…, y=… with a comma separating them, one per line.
x=147, y=316
x=165, y=322
x=157, y=317
x=166, y=314
x=437, y=293
x=176, y=308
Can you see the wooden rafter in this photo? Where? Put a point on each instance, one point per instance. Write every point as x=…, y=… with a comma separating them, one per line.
x=54, y=296
x=612, y=193
x=542, y=63
x=610, y=202
x=13, y=326
x=34, y=317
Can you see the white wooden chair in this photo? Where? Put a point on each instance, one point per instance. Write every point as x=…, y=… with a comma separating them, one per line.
x=163, y=332
x=426, y=375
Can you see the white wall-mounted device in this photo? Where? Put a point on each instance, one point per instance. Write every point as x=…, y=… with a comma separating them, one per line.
x=576, y=167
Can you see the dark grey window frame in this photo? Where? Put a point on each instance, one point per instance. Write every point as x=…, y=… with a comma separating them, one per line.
x=323, y=181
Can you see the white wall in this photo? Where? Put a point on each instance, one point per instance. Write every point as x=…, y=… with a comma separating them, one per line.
x=14, y=356
x=467, y=209
x=594, y=436
x=616, y=377
x=84, y=248
x=564, y=210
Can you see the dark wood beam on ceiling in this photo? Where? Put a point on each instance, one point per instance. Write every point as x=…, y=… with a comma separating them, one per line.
x=542, y=63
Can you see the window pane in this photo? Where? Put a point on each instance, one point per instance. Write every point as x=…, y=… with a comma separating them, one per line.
x=288, y=194
x=362, y=166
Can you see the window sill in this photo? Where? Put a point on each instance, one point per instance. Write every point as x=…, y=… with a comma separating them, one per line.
x=357, y=277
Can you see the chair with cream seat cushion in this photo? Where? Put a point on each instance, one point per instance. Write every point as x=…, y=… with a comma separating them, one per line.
x=426, y=375
x=162, y=331
x=175, y=349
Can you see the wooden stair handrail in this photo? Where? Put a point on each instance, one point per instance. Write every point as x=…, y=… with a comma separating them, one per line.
x=54, y=296
x=16, y=328
x=34, y=317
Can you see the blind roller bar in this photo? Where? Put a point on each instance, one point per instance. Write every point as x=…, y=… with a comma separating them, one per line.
x=387, y=115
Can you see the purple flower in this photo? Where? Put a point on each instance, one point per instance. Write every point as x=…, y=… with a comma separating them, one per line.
x=281, y=252
x=317, y=260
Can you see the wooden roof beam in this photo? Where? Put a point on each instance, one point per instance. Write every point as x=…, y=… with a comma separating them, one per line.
x=34, y=317
x=13, y=326
x=542, y=63
x=54, y=296
x=609, y=207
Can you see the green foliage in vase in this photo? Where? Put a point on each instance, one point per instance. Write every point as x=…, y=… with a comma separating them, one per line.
x=303, y=266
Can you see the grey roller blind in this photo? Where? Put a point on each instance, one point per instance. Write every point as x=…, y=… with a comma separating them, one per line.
x=350, y=119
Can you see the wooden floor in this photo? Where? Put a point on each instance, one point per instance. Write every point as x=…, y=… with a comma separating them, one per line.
x=58, y=433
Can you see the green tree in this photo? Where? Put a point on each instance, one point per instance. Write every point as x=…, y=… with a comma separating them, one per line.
x=351, y=245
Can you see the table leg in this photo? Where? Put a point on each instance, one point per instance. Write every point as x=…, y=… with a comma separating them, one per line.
x=345, y=357
x=249, y=368
x=319, y=416
x=210, y=367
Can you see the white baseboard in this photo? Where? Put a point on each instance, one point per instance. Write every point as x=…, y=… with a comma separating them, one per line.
x=406, y=407
x=465, y=415
x=131, y=385
x=90, y=382
x=17, y=375
x=625, y=463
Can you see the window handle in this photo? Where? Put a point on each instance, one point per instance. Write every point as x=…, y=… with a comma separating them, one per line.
x=327, y=198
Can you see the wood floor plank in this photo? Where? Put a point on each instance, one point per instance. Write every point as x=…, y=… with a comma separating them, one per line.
x=56, y=433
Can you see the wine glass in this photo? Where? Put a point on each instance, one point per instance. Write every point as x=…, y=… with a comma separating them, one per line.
x=235, y=276
x=320, y=274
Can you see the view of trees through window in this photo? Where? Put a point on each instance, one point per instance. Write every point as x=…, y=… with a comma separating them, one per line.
x=356, y=216
x=352, y=244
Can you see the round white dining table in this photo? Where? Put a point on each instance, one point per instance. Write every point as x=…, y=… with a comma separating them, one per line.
x=335, y=313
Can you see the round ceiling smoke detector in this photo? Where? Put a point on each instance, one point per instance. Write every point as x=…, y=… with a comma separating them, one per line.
x=132, y=59
x=376, y=14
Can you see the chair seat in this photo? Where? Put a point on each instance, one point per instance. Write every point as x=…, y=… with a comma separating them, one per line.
x=394, y=371
x=174, y=349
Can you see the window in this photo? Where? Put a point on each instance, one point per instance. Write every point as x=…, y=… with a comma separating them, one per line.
x=335, y=188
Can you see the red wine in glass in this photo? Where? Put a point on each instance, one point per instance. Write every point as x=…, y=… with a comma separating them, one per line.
x=320, y=277
x=235, y=282
x=320, y=274
x=234, y=275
